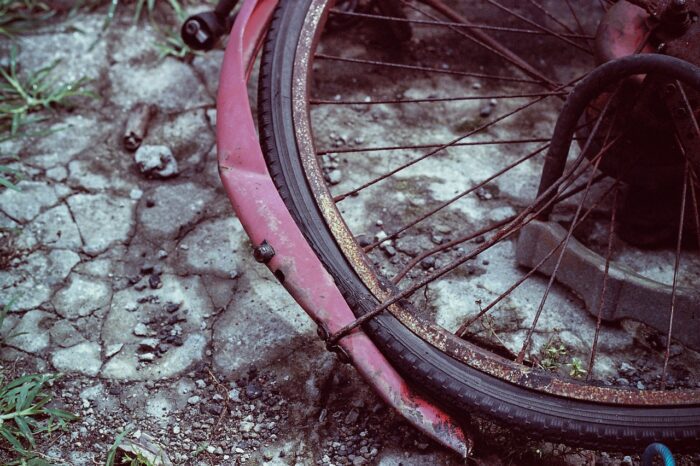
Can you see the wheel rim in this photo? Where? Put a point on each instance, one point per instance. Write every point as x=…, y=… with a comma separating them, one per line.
x=438, y=336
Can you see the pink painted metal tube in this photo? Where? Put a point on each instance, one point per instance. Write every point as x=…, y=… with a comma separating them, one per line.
x=264, y=216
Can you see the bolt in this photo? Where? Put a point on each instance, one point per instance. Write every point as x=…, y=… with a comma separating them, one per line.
x=670, y=89
x=322, y=333
x=264, y=253
x=681, y=112
x=195, y=30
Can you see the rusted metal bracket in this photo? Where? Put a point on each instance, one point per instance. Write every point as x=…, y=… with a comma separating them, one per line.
x=628, y=295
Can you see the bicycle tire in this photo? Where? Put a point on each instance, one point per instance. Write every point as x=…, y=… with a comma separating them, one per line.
x=554, y=418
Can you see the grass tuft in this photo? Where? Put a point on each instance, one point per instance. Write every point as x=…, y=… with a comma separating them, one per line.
x=17, y=16
x=25, y=414
x=159, y=12
x=22, y=96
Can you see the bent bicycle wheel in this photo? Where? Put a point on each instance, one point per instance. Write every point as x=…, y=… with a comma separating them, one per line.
x=520, y=225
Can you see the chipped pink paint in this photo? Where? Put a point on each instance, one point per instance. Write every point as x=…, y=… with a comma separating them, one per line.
x=265, y=217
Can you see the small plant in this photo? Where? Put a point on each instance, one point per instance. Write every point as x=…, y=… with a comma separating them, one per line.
x=20, y=96
x=553, y=354
x=112, y=453
x=115, y=457
x=576, y=368
x=24, y=414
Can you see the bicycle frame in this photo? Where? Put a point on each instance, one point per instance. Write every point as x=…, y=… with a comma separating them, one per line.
x=265, y=218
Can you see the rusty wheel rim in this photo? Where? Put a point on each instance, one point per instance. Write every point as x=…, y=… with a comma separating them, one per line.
x=444, y=340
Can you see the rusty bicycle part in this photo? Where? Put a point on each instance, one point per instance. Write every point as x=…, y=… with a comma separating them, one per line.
x=477, y=261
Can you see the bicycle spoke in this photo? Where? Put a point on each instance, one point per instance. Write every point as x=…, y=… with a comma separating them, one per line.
x=454, y=199
x=443, y=147
x=551, y=16
x=553, y=276
x=462, y=330
x=679, y=241
x=575, y=16
x=429, y=69
x=484, y=40
x=430, y=146
x=569, y=233
x=438, y=23
x=463, y=239
x=434, y=99
x=604, y=287
x=543, y=201
x=539, y=26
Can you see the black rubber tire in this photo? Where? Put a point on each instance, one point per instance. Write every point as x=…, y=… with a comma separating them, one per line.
x=557, y=419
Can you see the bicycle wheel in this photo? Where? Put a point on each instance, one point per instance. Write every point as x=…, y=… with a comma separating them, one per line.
x=422, y=186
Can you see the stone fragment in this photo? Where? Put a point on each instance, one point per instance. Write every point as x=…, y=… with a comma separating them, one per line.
x=156, y=161
x=82, y=297
x=334, y=176
x=141, y=330
x=148, y=344
x=137, y=126
x=28, y=200
x=30, y=333
x=167, y=209
x=64, y=334
x=103, y=220
x=111, y=350
x=212, y=248
x=32, y=282
x=55, y=228
x=83, y=358
x=58, y=173
x=182, y=341
x=147, y=357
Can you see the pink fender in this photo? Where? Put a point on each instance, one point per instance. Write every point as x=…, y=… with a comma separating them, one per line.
x=264, y=216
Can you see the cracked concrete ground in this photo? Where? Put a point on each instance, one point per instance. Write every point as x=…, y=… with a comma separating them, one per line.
x=144, y=293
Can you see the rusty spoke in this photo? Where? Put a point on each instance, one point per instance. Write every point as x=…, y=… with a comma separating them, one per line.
x=444, y=146
x=552, y=278
x=454, y=199
x=674, y=286
x=462, y=330
x=552, y=17
x=543, y=201
x=570, y=231
x=484, y=40
x=575, y=16
x=359, y=61
x=604, y=286
x=487, y=27
x=431, y=146
x=434, y=99
x=463, y=239
x=539, y=26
